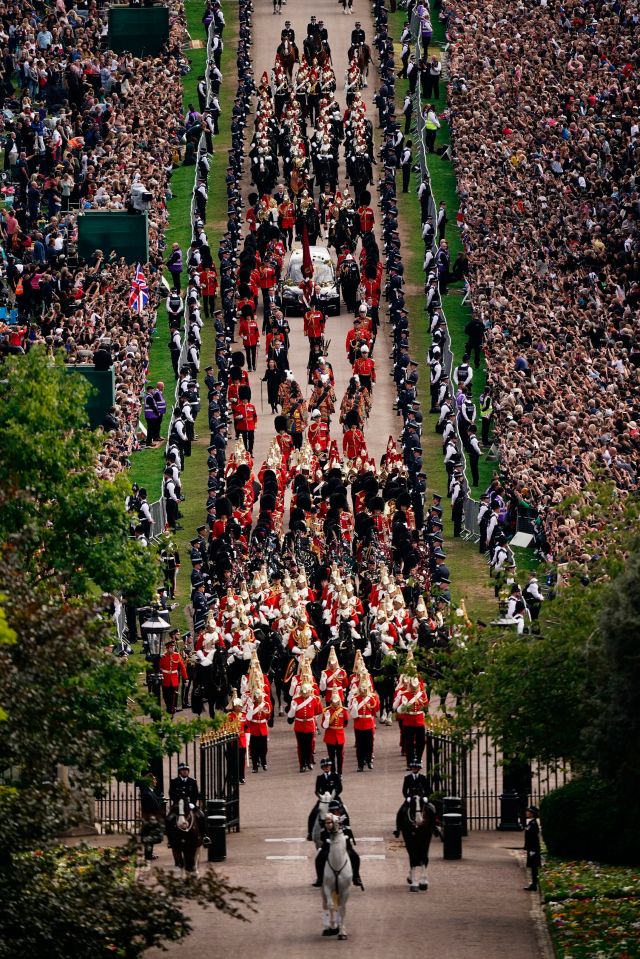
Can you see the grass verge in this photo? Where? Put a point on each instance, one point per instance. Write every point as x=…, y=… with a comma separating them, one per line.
x=194, y=477
x=147, y=464
x=469, y=572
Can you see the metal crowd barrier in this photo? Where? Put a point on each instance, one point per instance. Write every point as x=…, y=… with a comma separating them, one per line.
x=202, y=148
x=471, y=528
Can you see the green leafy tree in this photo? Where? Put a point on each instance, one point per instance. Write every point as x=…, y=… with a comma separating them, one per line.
x=72, y=716
x=71, y=903
x=617, y=717
x=65, y=521
x=550, y=697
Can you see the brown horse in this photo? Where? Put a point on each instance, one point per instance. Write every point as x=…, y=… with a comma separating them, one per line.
x=289, y=56
x=317, y=49
x=361, y=53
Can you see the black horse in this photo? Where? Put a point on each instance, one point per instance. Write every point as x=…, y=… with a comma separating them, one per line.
x=185, y=833
x=416, y=821
x=211, y=685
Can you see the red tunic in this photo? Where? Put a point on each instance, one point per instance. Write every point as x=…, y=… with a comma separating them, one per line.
x=304, y=709
x=172, y=667
x=334, y=721
x=258, y=718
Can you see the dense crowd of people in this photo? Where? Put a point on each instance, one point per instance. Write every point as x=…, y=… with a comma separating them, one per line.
x=545, y=133
x=85, y=129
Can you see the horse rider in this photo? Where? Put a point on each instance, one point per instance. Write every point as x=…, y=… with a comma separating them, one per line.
x=415, y=784
x=336, y=815
x=326, y=782
x=184, y=786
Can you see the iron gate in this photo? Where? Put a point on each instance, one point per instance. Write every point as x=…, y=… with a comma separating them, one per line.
x=219, y=773
x=213, y=761
x=476, y=773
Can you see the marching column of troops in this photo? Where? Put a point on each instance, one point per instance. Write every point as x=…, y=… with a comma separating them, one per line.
x=317, y=573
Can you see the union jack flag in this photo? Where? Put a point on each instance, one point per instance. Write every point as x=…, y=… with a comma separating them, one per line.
x=139, y=296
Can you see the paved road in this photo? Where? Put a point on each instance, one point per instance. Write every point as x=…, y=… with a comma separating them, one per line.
x=475, y=908
x=383, y=420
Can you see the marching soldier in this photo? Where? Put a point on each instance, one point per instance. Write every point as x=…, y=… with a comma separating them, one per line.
x=412, y=705
x=333, y=679
x=305, y=706
x=364, y=708
x=245, y=418
x=365, y=368
x=353, y=441
x=258, y=715
x=335, y=718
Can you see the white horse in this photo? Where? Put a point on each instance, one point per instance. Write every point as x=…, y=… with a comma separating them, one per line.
x=337, y=881
x=323, y=809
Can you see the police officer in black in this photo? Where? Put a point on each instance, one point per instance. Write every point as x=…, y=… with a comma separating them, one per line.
x=327, y=782
x=337, y=809
x=183, y=786
x=415, y=784
x=532, y=846
x=357, y=34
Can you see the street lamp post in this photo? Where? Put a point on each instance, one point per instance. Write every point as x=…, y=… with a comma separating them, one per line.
x=153, y=632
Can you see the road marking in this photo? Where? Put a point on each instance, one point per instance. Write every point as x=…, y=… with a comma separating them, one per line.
x=370, y=839
x=288, y=839
x=372, y=856
x=289, y=858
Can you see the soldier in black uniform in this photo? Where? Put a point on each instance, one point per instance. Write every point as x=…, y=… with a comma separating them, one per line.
x=326, y=782
x=200, y=605
x=170, y=558
x=183, y=786
x=415, y=784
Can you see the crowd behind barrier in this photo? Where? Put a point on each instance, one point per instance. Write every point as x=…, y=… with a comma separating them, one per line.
x=84, y=129
x=545, y=141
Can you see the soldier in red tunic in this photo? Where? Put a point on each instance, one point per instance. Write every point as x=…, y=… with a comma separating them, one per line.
x=250, y=334
x=305, y=706
x=413, y=703
x=365, y=368
x=245, y=418
x=353, y=441
x=172, y=667
x=258, y=713
x=364, y=708
x=334, y=721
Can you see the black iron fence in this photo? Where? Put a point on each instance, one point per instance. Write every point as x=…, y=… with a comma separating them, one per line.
x=219, y=774
x=477, y=773
x=213, y=761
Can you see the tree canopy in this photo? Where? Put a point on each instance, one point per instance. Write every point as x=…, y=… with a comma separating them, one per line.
x=64, y=520
x=65, y=701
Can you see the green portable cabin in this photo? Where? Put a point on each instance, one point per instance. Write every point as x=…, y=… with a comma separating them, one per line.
x=140, y=31
x=103, y=391
x=107, y=230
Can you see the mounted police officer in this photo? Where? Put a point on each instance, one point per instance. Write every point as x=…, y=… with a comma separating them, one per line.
x=327, y=782
x=337, y=809
x=415, y=784
x=185, y=787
